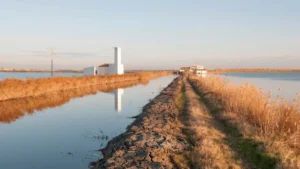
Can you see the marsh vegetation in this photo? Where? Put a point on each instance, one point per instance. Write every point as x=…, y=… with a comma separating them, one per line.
x=17, y=88
x=14, y=109
x=267, y=127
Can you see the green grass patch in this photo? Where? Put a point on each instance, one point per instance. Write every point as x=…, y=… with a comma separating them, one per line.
x=180, y=101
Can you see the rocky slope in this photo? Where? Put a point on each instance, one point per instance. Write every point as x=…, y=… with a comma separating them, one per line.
x=153, y=139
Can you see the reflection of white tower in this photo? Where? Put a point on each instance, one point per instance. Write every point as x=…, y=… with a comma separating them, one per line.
x=118, y=99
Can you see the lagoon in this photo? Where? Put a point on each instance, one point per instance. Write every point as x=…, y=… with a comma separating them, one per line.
x=287, y=82
x=69, y=135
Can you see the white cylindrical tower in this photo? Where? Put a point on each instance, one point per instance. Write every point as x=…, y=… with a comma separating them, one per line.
x=117, y=67
x=117, y=55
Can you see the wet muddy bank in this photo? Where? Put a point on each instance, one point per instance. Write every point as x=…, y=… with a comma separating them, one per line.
x=153, y=139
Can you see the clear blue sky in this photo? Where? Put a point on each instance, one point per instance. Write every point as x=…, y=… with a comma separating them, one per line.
x=156, y=34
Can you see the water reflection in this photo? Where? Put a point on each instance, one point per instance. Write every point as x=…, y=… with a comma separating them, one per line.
x=12, y=110
x=287, y=82
x=287, y=76
x=118, y=99
x=70, y=135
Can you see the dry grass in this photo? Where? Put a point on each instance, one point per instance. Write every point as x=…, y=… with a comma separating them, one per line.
x=275, y=122
x=15, y=88
x=252, y=70
x=209, y=150
x=12, y=110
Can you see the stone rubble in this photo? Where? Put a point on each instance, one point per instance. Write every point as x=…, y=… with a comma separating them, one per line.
x=152, y=139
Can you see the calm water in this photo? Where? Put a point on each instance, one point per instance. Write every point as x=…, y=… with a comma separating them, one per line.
x=68, y=136
x=24, y=75
x=289, y=83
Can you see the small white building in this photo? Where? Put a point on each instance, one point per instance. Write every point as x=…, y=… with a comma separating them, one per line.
x=90, y=71
x=199, y=70
x=105, y=69
x=194, y=69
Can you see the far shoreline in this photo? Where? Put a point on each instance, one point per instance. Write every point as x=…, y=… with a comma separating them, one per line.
x=256, y=70
x=39, y=70
x=218, y=70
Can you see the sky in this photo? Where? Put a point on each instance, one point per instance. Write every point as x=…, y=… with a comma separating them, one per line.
x=156, y=34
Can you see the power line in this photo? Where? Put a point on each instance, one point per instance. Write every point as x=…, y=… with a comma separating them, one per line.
x=52, y=53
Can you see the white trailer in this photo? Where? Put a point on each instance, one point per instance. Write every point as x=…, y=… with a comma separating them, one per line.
x=90, y=71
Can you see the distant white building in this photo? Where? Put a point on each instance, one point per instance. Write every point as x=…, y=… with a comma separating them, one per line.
x=194, y=69
x=199, y=70
x=105, y=69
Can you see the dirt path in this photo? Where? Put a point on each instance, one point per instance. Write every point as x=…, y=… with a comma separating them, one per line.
x=210, y=150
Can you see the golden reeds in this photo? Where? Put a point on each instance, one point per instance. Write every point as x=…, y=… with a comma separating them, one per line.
x=12, y=110
x=16, y=88
x=275, y=121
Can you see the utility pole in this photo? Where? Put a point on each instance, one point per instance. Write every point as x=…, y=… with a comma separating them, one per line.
x=52, y=57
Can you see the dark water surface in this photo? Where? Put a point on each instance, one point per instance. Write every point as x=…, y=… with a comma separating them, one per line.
x=289, y=83
x=68, y=135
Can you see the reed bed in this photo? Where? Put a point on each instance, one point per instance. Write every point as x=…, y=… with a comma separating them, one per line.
x=271, y=119
x=252, y=70
x=16, y=88
x=12, y=110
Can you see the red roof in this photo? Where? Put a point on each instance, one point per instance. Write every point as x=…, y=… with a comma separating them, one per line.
x=104, y=65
